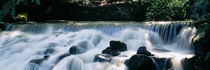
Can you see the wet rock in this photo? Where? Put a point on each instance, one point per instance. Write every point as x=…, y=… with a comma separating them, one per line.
x=63, y=56
x=143, y=50
x=110, y=51
x=201, y=46
x=102, y=58
x=115, y=48
x=49, y=51
x=140, y=62
x=118, y=46
x=38, y=61
x=169, y=64
x=74, y=50
x=188, y=64
x=52, y=45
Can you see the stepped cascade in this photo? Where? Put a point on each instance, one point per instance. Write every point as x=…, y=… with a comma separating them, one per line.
x=73, y=46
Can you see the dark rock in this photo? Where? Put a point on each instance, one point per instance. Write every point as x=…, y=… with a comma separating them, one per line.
x=2, y=27
x=118, y=46
x=49, y=51
x=201, y=46
x=188, y=64
x=111, y=52
x=115, y=48
x=169, y=64
x=74, y=50
x=46, y=57
x=141, y=62
x=144, y=62
x=102, y=58
x=38, y=61
x=163, y=63
x=63, y=56
x=143, y=50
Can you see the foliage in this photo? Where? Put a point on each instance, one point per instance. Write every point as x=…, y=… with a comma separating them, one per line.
x=164, y=9
x=8, y=6
x=198, y=9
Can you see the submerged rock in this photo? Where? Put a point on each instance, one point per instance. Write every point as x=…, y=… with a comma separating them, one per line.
x=38, y=61
x=63, y=56
x=143, y=50
x=102, y=58
x=74, y=50
x=49, y=51
x=115, y=48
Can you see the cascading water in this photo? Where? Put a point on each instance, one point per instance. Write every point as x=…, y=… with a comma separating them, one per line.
x=21, y=43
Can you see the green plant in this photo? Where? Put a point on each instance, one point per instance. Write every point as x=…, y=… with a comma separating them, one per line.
x=8, y=7
x=164, y=9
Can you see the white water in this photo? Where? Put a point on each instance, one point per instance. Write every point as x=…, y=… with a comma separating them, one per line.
x=17, y=48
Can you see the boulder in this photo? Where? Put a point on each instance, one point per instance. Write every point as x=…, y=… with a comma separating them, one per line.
x=115, y=48
x=102, y=58
x=74, y=50
x=111, y=52
x=140, y=62
x=118, y=46
x=188, y=64
x=143, y=50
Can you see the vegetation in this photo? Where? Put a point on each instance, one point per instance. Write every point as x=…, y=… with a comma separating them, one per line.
x=137, y=10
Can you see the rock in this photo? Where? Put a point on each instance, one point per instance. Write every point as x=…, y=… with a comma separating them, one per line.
x=102, y=58
x=49, y=51
x=144, y=62
x=140, y=62
x=115, y=48
x=188, y=64
x=169, y=64
x=38, y=61
x=74, y=50
x=62, y=56
x=2, y=27
x=143, y=50
x=111, y=52
x=118, y=46
x=201, y=46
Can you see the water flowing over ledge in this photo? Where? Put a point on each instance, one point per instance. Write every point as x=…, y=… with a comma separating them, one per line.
x=21, y=43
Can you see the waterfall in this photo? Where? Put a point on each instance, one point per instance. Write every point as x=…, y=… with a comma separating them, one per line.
x=22, y=43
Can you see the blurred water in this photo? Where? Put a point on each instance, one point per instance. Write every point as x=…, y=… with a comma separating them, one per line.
x=21, y=43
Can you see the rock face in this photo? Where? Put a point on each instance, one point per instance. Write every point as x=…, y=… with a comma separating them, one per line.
x=143, y=50
x=74, y=50
x=115, y=48
x=201, y=45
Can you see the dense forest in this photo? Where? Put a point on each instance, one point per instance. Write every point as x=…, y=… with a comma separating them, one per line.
x=74, y=34
x=81, y=10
